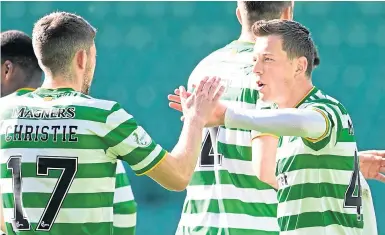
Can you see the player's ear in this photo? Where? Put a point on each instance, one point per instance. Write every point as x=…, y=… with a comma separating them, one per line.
x=6, y=70
x=238, y=13
x=287, y=14
x=300, y=66
x=81, y=59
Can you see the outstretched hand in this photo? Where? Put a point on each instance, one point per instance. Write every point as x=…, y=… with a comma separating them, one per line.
x=372, y=164
x=207, y=87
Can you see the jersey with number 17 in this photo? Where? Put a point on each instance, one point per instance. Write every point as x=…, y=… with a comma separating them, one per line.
x=58, y=157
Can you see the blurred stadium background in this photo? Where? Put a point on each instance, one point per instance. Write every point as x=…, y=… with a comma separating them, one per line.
x=146, y=49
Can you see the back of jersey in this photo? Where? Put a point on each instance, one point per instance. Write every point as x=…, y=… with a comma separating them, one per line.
x=55, y=175
x=224, y=196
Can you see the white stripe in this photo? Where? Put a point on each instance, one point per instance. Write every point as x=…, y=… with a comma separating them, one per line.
x=229, y=67
x=241, y=221
x=148, y=160
x=124, y=221
x=314, y=176
x=46, y=185
x=29, y=155
x=240, y=138
x=234, y=166
x=333, y=229
x=298, y=147
x=370, y=226
x=65, y=100
x=116, y=118
x=123, y=194
x=120, y=167
x=229, y=191
x=76, y=216
x=296, y=207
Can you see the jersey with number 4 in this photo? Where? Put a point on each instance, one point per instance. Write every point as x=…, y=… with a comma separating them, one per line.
x=224, y=196
x=319, y=180
x=59, y=150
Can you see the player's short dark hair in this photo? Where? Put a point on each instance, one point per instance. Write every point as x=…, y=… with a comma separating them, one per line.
x=296, y=39
x=58, y=36
x=16, y=46
x=264, y=10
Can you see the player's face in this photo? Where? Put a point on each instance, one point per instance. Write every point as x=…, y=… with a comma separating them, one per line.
x=89, y=71
x=274, y=70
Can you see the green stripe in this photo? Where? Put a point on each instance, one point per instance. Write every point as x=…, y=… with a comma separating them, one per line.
x=248, y=96
x=231, y=151
x=157, y=159
x=319, y=219
x=312, y=190
x=122, y=180
x=224, y=231
x=238, y=180
x=72, y=200
x=234, y=206
x=104, y=228
x=125, y=208
x=90, y=170
x=310, y=161
x=124, y=231
x=121, y=132
x=344, y=136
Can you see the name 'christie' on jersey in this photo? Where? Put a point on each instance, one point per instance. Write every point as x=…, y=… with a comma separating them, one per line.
x=58, y=157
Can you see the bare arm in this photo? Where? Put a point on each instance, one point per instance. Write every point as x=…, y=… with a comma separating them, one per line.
x=175, y=171
x=264, y=150
x=281, y=122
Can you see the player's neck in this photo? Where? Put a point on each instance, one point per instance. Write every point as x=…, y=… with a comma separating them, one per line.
x=60, y=82
x=296, y=94
x=246, y=36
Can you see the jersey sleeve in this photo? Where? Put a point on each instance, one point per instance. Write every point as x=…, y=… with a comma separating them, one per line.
x=260, y=105
x=334, y=118
x=128, y=141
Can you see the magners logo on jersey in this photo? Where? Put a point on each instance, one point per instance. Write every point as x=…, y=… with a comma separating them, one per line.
x=42, y=113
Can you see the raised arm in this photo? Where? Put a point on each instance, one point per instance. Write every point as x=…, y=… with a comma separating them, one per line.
x=308, y=123
x=172, y=170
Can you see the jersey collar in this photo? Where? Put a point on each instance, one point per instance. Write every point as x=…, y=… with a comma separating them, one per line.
x=310, y=93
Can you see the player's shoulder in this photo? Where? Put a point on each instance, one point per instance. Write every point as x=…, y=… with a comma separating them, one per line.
x=89, y=101
x=320, y=99
x=223, y=60
x=13, y=99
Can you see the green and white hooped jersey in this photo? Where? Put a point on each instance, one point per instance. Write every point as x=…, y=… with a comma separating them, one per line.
x=59, y=150
x=319, y=179
x=224, y=196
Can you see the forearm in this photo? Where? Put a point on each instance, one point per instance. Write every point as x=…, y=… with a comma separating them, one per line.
x=186, y=151
x=280, y=122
